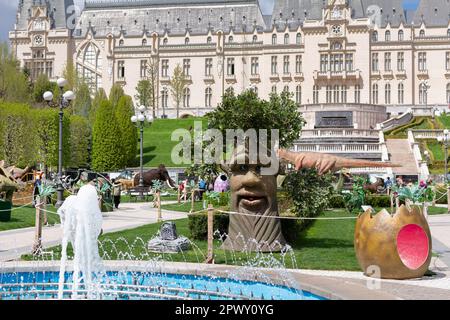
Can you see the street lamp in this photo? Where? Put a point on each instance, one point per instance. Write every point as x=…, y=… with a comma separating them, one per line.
x=445, y=140
x=64, y=101
x=139, y=121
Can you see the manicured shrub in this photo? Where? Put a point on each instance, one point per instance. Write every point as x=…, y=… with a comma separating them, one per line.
x=129, y=135
x=378, y=201
x=337, y=202
x=198, y=224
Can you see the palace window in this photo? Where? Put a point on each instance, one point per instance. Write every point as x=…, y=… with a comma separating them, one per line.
x=387, y=94
x=186, y=41
x=298, y=95
x=447, y=61
x=274, y=39
x=422, y=61
x=387, y=61
x=423, y=93
x=387, y=36
x=286, y=38
x=316, y=94
x=230, y=66
x=165, y=68
x=165, y=41
x=208, y=40
x=329, y=93
x=255, y=66
x=121, y=69
x=255, y=90
x=357, y=93
x=49, y=69
x=298, y=64
x=164, y=98
x=230, y=39
x=448, y=33
x=299, y=38
x=121, y=43
x=186, y=66
x=401, y=93
x=89, y=66
x=323, y=63
x=375, y=62
x=144, y=42
x=255, y=38
x=344, y=94
x=143, y=68
x=336, y=46
x=208, y=66
x=448, y=93
x=337, y=62
x=349, y=62
x=375, y=36
x=286, y=64
x=400, y=61
x=274, y=65
x=375, y=94
x=274, y=89
x=401, y=35
x=286, y=89
x=422, y=33
x=186, y=97
x=336, y=94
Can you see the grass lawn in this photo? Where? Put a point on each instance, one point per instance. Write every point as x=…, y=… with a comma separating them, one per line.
x=157, y=140
x=326, y=245
x=437, y=210
x=183, y=207
x=445, y=121
x=24, y=217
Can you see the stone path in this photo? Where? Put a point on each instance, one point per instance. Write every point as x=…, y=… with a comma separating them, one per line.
x=14, y=243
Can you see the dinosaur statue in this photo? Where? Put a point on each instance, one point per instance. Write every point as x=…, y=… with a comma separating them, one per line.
x=254, y=226
x=374, y=187
x=8, y=185
x=339, y=185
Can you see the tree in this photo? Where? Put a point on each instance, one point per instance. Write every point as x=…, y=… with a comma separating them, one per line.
x=115, y=94
x=82, y=104
x=41, y=85
x=178, y=83
x=107, y=148
x=100, y=96
x=129, y=135
x=147, y=89
x=14, y=86
x=80, y=137
x=71, y=75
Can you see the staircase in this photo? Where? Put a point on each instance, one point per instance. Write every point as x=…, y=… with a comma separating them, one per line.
x=400, y=153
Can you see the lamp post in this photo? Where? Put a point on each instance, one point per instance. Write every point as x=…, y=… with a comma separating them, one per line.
x=64, y=101
x=164, y=102
x=445, y=140
x=139, y=121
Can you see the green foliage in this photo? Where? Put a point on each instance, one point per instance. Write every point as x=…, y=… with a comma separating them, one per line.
x=80, y=139
x=378, y=201
x=337, y=201
x=47, y=136
x=309, y=193
x=144, y=93
x=41, y=85
x=129, y=136
x=46, y=189
x=115, y=94
x=82, y=104
x=157, y=185
x=357, y=197
x=5, y=211
x=217, y=199
x=107, y=149
x=198, y=224
x=178, y=83
x=247, y=111
x=100, y=96
x=414, y=194
x=205, y=171
x=17, y=136
x=14, y=86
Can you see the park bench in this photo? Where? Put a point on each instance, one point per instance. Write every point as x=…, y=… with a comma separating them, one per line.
x=136, y=192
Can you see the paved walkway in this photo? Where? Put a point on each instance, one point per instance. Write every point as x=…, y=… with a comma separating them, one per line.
x=440, y=231
x=14, y=243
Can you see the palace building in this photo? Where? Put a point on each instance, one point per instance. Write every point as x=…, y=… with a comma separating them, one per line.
x=356, y=61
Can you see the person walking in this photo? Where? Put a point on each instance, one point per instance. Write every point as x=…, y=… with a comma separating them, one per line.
x=388, y=185
x=202, y=188
x=117, y=190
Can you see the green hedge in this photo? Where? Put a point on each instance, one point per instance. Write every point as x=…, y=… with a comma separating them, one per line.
x=337, y=202
x=198, y=224
x=376, y=201
x=5, y=211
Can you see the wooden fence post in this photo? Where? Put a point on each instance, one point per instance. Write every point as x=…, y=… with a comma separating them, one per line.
x=158, y=203
x=179, y=195
x=37, y=246
x=210, y=256
x=192, y=200
x=448, y=198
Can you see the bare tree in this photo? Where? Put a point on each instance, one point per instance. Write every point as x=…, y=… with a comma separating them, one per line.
x=147, y=88
x=178, y=83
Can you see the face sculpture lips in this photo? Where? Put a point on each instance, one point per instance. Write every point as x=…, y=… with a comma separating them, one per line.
x=252, y=200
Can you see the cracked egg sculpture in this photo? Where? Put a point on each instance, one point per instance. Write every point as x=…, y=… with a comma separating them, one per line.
x=399, y=244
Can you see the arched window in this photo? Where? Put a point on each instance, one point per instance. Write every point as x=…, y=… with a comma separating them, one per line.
x=274, y=89
x=299, y=38
x=387, y=36
x=186, y=40
x=208, y=40
x=448, y=93
x=255, y=38
x=375, y=36
x=401, y=93
x=375, y=94
x=165, y=41
x=401, y=35
x=423, y=93
x=186, y=97
x=316, y=94
x=90, y=56
x=336, y=94
x=230, y=39
x=422, y=33
x=274, y=39
x=121, y=43
x=336, y=46
x=144, y=42
x=298, y=95
x=357, y=93
x=387, y=94
x=208, y=97
x=286, y=38
x=329, y=93
x=164, y=98
x=286, y=89
x=344, y=94
x=89, y=66
x=448, y=33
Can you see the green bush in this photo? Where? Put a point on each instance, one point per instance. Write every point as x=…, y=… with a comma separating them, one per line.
x=5, y=211
x=198, y=224
x=378, y=201
x=337, y=202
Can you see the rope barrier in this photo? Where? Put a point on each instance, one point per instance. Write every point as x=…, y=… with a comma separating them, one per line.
x=288, y=218
x=17, y=208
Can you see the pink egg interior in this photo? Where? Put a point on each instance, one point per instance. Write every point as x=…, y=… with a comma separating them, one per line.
x=413, y=246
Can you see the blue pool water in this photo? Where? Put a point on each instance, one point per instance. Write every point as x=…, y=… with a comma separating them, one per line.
x=138, y=286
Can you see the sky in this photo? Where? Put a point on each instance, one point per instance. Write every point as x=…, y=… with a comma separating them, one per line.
x=8, y=13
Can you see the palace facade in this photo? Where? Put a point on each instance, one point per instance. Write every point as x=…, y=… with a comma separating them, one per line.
x=355, y=53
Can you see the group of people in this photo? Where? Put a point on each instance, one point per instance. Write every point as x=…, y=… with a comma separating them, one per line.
x=400, y=183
